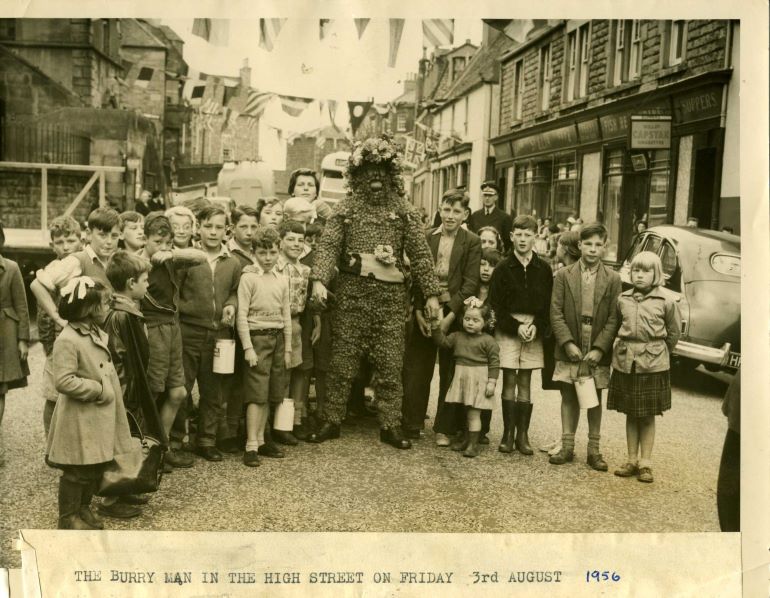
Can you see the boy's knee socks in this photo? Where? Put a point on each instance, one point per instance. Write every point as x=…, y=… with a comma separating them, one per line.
x=593, y=443
x=568, y=442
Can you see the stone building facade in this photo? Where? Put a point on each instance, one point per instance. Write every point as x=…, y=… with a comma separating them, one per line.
x=621, y=121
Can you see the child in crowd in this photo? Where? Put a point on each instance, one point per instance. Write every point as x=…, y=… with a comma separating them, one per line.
x=207, y=300
x=476, y=369
x=14, y=329
x=456, y=253
x=315, y=353
x=490, y=238
x=132, y=232
x=520, y=295
x=489, y=260
x=584, y=322
x=292, y=235
x=89, y=425
x=65, y=239
x=270, y=211
x=245, y=223
x=183, y=223
x=103, y=236
x=640, y=385
x=264, y=326
x=159, y=306
x=124, y=325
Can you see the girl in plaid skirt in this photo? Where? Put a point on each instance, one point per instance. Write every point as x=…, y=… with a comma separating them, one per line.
x=640, y=386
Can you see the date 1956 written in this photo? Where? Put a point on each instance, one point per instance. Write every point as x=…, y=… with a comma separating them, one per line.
x=600, y=576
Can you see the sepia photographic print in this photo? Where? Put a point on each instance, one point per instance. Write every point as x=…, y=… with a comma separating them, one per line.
x=371, y=302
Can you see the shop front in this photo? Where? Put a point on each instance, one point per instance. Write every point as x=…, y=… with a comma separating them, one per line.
x=654, y=157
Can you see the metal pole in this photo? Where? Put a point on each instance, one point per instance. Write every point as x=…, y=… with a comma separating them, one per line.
x=43, y=199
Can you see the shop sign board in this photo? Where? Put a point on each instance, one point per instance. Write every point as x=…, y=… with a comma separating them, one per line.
x=650, y=132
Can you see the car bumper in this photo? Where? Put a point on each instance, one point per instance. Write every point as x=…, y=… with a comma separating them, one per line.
x=718, y=356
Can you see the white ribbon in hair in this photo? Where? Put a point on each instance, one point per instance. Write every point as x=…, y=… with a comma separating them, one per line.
x=77, y=287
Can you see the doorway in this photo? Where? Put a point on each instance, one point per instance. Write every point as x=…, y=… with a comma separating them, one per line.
x=703, y=186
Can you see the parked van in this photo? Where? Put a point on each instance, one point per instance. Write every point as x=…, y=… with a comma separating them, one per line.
x=245, y=182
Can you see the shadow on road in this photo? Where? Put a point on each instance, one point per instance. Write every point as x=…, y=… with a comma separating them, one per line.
x=700, y=381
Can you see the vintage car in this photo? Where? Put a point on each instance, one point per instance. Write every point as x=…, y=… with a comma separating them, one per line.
x=702, y=270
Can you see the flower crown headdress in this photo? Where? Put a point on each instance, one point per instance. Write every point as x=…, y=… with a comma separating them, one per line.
x=375, y=150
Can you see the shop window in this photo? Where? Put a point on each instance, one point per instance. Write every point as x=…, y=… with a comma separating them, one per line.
x=532, y=188
x=659, y=177
x=518, y=89
x=578, y=50
x=564, y=189
x=674, y=42
x=612, y=201
x=462, y=174
x=544, y=80
x=626, y=57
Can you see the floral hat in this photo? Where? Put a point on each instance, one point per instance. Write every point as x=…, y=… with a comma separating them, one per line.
x=375, y=150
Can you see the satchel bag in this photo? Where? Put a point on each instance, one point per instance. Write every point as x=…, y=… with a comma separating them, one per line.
x=136, y=471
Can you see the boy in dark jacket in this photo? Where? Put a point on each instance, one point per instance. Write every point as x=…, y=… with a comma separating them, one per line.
x=130, y=352
x=207, y=301
x=520, y=295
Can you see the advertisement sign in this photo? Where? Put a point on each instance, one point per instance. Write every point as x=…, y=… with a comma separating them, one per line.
x=650, y=132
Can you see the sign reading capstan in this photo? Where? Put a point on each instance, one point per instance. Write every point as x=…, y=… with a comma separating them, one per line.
x=650, y=132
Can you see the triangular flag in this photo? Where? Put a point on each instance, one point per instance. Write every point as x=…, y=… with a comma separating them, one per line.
x=257, y=102
x=382, y=109
x=202, y=28
x=268, y=32
x=438, y=32
x=396, y=29
x=332, y=105
x=214, y=31
x=294, y=106
x=361, y=26
x=516, y=29
x=323, y=28
x=358, y=112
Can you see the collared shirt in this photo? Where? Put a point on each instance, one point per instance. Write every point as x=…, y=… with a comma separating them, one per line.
x=233, y=247
x=298, y=275
x=524, y=260
x=213, y=259
x=59, y=272
x=443, y=254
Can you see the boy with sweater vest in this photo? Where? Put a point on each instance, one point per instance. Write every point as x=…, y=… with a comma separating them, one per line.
x=159, y=307
x=207, y=302
x=103, y=236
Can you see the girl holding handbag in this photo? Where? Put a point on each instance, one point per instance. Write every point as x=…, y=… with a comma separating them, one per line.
x=89, y=426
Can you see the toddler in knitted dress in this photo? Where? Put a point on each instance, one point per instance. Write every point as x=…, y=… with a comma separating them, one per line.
x=476, y=368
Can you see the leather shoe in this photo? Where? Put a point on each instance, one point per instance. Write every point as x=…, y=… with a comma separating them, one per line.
x=229, y=445
x=562, y=457
x=326, y=431
x=395, y=438
x=270, y=449
x=286, y=438
x=251, y=459
x=134, y=499
x=596, y=462
x=411, y=434
x=118, y=510
x=179, y=459
x=210, y=453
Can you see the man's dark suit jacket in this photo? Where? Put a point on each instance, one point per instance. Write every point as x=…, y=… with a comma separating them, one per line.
x=464, y=265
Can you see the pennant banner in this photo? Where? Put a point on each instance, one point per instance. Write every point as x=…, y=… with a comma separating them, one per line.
x=257, y=102
x=294, y=106
x=396, y=29
x=383, y=109
x=269, y=29
x=323, y=28
x=332, y=106
x=214, y=31
x=357, y=111
x=361, y=26
x=438, y=32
